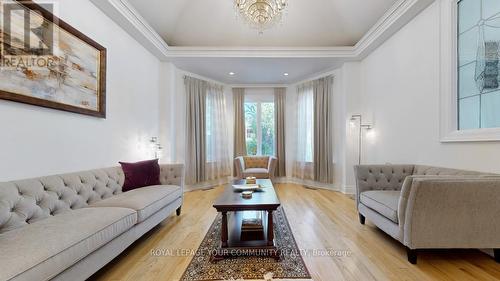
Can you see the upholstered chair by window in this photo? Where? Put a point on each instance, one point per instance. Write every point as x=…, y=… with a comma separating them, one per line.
x=261, y=167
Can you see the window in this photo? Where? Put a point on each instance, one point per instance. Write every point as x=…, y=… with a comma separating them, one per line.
x=478, y=40
x=259, y=123
x=217, y=153
x=305, y=124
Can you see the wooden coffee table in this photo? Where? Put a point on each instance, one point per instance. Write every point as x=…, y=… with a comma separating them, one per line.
x=233, y=207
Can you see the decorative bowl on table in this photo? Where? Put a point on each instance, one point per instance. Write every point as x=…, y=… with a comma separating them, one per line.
x=246, y=187
x=247, y=194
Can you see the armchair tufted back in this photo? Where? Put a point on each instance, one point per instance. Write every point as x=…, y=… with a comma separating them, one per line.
x=256, y=162
x=27, y=201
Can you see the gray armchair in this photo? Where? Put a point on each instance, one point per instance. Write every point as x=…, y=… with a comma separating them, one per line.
x=261, y=167
x=427, y=207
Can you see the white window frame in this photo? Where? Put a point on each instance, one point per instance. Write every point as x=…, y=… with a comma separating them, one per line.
x=449, y=131
x=259, y=100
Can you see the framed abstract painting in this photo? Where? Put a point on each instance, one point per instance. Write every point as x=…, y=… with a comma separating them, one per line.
x=46, y=62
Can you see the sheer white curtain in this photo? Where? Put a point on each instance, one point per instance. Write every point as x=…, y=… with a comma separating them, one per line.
x=303, y=166
x=218, y=164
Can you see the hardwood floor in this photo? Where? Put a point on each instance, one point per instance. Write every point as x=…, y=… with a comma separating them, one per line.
x=320, y=220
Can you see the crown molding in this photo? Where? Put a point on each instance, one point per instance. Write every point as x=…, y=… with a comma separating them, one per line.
x=261, y=52
x=128, y=18
x=258, y=86
x=402, y=12
x=125, y=15
x=314, y=76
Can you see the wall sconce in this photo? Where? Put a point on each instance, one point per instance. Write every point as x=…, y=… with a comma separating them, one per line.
x=156, y=147
x=359, y=118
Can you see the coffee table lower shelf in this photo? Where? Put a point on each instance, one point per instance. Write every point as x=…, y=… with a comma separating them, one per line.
x=232, y=244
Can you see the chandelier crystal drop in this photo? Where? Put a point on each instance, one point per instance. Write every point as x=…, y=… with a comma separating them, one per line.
x=261, y=14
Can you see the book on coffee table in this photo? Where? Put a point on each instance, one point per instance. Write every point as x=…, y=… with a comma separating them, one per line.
x=252, y=229
x=251, y=224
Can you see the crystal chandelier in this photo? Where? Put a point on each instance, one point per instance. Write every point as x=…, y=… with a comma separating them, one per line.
x=261, y=14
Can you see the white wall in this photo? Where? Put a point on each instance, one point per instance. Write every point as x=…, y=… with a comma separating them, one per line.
x=401, y=91
x=351, y=92
x=262, y=94
x=167, y=106
x=35, y=141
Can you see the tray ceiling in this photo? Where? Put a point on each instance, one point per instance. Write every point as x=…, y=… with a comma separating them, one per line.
x=307, y=23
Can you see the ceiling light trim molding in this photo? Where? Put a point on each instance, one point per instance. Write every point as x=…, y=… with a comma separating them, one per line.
x=125, y=15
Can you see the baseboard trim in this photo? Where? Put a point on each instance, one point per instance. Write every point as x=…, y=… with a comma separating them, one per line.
x=306, y=183
x=348, y=189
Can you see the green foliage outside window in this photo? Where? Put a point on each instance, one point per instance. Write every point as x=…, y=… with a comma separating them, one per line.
x=267, y=123
x=251, y=127
x=259, y=128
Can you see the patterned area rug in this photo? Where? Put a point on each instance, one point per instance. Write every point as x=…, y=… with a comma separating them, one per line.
x=290, y=266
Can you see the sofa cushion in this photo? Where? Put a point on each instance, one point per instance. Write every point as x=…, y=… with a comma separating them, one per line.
x=140, y=174
x=259, y=173
x=383, y=202
x=146, y=201
x=256, y=171
x=41, y=250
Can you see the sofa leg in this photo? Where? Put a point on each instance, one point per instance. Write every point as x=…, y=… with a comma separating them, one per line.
x=361, y=219
x=496, y=254
x=178, y=211
x=412, y=255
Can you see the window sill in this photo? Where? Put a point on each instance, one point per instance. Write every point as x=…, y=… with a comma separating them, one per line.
x=477, y=135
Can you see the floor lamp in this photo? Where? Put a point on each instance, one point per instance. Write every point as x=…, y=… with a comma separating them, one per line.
x=362, y=126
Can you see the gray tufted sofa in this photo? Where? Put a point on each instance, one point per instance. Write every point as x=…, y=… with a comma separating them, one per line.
x=67, y=227
x=427, y=207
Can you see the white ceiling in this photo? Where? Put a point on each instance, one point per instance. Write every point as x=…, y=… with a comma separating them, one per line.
x=307, y=23
x=206, y=37
x=257, y=70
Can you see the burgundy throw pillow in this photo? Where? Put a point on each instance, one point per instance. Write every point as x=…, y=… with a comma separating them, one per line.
x=140, y=174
